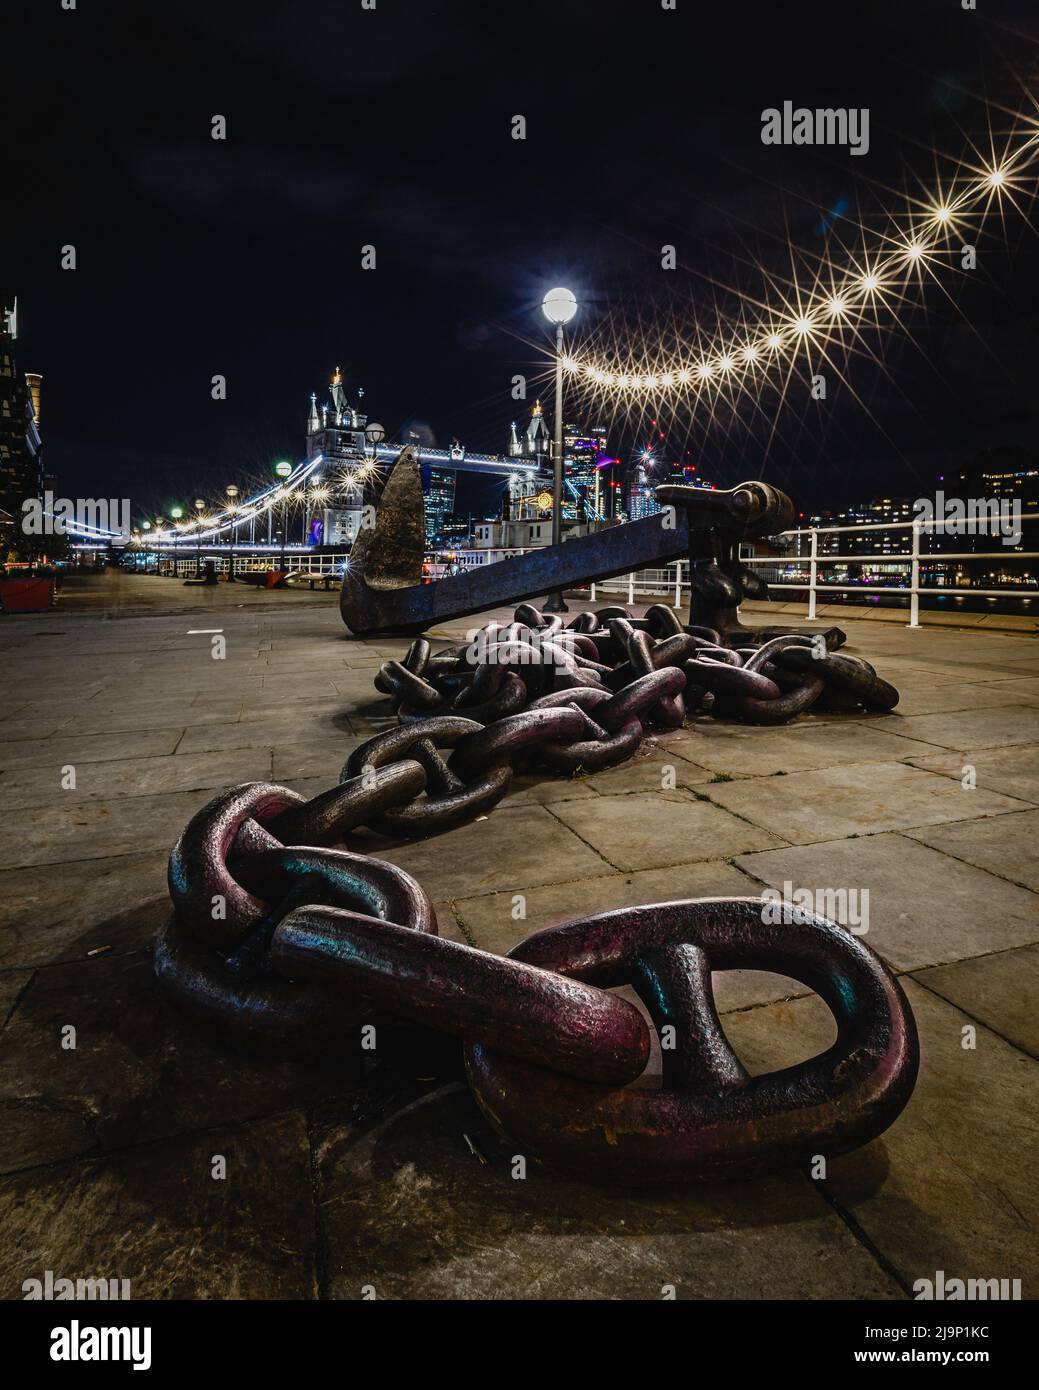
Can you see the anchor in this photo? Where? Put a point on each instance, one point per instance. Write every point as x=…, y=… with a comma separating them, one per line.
x=383, y=590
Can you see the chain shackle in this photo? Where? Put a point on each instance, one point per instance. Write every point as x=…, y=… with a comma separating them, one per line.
x=710, y=1119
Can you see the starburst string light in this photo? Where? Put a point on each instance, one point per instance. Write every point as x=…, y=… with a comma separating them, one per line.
x=772, y=339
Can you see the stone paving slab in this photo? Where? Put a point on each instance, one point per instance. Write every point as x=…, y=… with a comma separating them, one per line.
x=263, y=733
x=488, y=921
x=55, y=697
x=1006, y=847
x=999, y=990
x=197, y=701
x=655, y=770
x=756, y=752
x=88, y=748
x=925, y=699
x=155, y=1216
x=132, y=777
x=971, y=728
x=59, y=834
x=160, y=716
x=315, y=718
x=1022, y=688
x=139, y=1069
x=534, y=789
x=406, y=1208
x=968, y=668
x=317, y=688
x=833, y=802
x=12, y=983
x=32, y=722
x=101, y=906
x=645, y=831
x=323, y=757
x=514, y=848
x=1013, y=771
x=950, y=1185
x=923, y=907
x=1021, y=664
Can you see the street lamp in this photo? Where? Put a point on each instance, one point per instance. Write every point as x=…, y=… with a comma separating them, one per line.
x=231, y=492
x=199, y=508
x=307, y=487
x=559, y=306
x=375, y=434
x=320, y=493
x=176, y=513
x=283, y=469
x=286, y=495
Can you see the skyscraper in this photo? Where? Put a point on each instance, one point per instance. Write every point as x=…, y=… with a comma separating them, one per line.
x=642, y=499
x=21, y=449
x=438, y=484
x=581, y=452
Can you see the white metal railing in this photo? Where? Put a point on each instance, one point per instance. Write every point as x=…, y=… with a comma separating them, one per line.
x=673, y=578
x=183, y=566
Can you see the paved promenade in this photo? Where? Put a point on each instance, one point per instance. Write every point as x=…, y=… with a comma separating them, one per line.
x=354, y=1176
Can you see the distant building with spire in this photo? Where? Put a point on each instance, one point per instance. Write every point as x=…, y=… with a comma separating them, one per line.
x=335, y=429
x=336, y=433
x=536, y=441
x=21, y=447
x=581, y=452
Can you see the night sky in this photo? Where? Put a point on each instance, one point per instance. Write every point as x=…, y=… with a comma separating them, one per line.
x=392, y=127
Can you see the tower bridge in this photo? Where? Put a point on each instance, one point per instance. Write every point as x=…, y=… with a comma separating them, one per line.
x=346, y=461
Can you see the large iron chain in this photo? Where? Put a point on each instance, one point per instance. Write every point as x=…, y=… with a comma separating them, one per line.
x=502, y=670
x=283, y=938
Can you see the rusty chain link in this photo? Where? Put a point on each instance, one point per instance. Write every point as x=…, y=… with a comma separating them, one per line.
x=657, y=669
x=284, y=939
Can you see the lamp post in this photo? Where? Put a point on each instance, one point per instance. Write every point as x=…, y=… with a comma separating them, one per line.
x=231, y=492
x=559, y=307
x=314, y=485
x=375, y=434
x=199, y=508
x=176, y=513
x=283, y=469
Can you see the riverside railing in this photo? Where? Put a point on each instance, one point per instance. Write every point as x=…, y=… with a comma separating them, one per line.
x=673, y=579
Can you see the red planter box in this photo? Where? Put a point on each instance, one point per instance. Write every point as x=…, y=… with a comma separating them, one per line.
x=26, y=595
